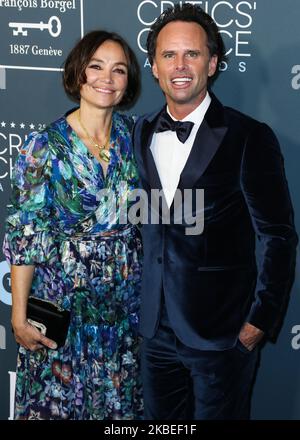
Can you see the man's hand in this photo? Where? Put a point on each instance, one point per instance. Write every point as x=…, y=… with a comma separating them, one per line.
x=250, y=336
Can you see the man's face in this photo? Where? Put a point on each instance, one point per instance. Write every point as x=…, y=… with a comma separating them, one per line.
x=182, y=64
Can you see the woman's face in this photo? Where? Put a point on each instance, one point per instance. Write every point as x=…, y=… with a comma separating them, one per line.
x=106, y=76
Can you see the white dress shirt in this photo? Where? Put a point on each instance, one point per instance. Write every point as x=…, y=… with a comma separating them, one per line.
x=170, y=155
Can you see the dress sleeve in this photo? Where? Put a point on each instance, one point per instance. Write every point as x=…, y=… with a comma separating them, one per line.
x=28, y=238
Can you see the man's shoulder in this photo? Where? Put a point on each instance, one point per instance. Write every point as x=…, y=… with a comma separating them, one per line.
x=244, y=122
x=246, y=125
x=149, y=116
x=234, y=114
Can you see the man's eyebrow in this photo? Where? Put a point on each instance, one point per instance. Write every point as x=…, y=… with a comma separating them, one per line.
x=174, y=51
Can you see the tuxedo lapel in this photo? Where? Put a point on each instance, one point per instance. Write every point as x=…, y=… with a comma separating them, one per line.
x=208, y=139
x=153, y=176
x=148, y=167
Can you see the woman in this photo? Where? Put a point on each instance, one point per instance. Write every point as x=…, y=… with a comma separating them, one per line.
x=66, y=245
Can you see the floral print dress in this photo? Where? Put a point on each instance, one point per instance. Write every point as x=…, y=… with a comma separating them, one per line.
x=86, y=260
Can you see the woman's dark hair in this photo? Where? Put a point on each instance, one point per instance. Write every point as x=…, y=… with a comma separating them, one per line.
x=190, y=13
x=77, y=61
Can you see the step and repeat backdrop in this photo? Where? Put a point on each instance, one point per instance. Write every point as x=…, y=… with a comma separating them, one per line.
x=261, y=78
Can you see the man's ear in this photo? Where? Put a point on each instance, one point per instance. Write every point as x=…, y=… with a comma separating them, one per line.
x=154, y=70
x=213, y=64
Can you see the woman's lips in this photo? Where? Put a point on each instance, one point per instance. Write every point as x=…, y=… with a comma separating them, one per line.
x=104, y=90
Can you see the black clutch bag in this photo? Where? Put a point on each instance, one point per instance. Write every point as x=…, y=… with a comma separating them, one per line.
x=50, y=319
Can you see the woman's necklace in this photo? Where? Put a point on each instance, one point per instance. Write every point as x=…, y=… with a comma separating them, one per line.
x=104, y=152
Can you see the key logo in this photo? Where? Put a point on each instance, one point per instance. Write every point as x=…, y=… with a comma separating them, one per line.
x=39, y=35
x=22, y=28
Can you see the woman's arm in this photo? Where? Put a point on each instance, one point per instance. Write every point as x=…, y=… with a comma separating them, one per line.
x=26, y=334
x=21, y=279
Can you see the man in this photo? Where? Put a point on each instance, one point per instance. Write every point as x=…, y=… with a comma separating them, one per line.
x=206, y=302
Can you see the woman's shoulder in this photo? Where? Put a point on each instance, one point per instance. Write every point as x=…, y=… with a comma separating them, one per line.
x=41, y=136
x=126, y=120
x=36, y=146
x=58, y=125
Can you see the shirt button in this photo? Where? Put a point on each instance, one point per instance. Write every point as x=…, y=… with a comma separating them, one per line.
x=159, y=260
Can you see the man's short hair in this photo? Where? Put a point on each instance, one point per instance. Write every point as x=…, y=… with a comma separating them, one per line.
x=189, y=13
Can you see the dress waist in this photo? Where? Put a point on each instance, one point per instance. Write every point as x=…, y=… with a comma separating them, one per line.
x=100, y=235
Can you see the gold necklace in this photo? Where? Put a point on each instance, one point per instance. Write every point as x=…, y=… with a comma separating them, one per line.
x=104, y=152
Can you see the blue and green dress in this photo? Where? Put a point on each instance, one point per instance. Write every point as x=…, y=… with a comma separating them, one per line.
x=65, y=220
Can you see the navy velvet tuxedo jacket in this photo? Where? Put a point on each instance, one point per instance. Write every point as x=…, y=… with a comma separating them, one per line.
x=213, y=282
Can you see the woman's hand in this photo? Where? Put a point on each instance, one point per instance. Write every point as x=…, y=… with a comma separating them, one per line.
x=31, y=338
x=26, y=334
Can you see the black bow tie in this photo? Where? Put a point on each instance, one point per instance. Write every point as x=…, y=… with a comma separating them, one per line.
x=165, y=123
